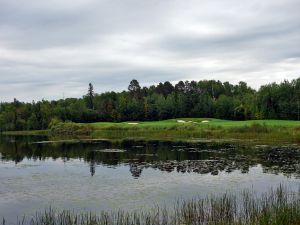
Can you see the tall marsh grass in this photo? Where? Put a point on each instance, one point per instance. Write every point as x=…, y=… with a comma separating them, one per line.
x=276, y=207
x=255, y=127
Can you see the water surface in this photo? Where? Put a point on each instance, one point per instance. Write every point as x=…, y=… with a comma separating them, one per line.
x=132, y=175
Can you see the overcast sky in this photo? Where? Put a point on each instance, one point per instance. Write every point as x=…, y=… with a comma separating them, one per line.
x=56, y=47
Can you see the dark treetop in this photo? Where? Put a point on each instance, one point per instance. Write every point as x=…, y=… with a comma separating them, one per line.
x=207, y=98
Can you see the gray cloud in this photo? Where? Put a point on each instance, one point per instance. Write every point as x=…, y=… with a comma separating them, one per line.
x=51, y=48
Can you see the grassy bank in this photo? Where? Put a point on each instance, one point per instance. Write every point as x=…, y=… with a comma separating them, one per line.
x=27, y=133
x=182, y=129
x=195, y=128
x=200, y=122
x=276, y=207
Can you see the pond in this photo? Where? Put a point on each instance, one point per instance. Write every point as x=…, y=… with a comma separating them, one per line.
x=97, y=175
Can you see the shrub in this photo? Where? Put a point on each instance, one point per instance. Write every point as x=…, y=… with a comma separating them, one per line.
x=255, y=128
x=69, y=128
x=54, y=121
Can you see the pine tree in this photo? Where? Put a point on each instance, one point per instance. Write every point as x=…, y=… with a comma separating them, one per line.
x=90, y=96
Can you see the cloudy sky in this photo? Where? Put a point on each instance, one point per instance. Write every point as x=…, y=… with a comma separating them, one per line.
x=53, y=48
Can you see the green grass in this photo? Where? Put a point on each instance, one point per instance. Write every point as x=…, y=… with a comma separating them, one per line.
x=259, y=131
x=196, y=122
x=276, y=207
x=251, y=130
x=27, y=133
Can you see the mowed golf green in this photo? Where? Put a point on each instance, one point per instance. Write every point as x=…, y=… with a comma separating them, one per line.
x=195, y=122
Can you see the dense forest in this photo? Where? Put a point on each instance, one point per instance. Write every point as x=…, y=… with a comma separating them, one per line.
x=207, y=98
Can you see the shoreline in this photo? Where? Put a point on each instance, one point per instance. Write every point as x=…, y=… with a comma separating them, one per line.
x=262, y=131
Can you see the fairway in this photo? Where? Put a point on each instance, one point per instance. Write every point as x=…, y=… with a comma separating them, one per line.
x=198, y=122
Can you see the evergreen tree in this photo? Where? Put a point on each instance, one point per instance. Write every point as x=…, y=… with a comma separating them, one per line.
x=90, y=96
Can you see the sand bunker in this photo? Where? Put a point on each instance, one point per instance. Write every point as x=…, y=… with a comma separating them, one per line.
x=111, y=150
x=183, y=121
x=132, y=123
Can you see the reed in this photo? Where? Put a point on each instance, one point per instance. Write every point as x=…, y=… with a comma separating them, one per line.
x=276, y=207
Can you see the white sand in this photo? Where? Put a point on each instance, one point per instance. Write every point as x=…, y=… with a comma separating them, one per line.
x=111, y=150
x=182, y=121
x=133, y=123
x=204, y=121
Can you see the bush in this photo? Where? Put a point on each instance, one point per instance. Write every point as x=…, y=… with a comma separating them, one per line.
x=54, y=122
x=69, y=128
x=255, y=127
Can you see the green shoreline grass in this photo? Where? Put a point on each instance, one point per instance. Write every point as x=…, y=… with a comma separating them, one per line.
x=196, y=121
x=275, y=207
x=192, y=128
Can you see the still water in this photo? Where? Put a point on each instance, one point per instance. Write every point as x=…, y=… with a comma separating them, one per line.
x=100, y=175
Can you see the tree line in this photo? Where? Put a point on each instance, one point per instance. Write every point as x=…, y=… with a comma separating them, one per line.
x=206, y=98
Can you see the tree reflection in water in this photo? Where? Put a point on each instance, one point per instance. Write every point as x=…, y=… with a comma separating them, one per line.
x=183, y=157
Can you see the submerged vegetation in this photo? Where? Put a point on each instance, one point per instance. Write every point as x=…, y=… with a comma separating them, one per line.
x=276, y=207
